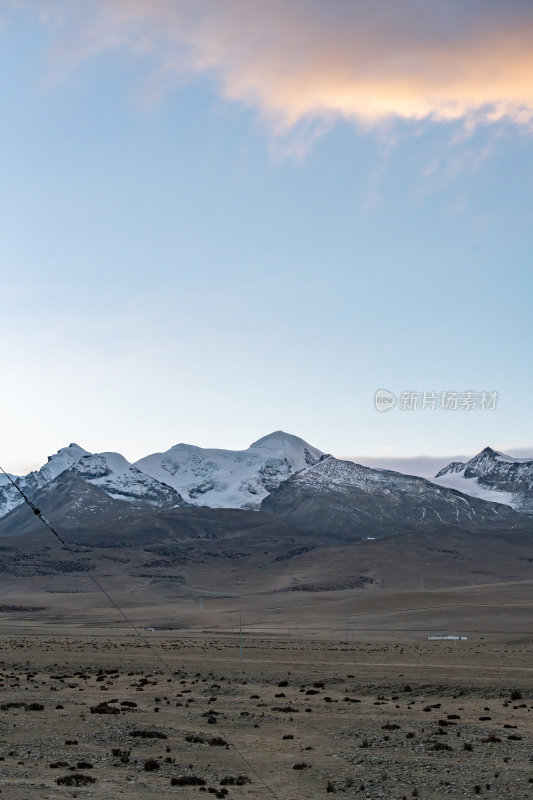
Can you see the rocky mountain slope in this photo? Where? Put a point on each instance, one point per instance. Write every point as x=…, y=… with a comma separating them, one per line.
x=343, y=498
x=492, y=476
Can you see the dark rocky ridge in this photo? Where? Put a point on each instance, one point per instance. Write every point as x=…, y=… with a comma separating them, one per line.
x=349, y=500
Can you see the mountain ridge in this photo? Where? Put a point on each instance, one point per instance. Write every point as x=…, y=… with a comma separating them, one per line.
x=335, y=496
x=280, y=474
x=494, y=476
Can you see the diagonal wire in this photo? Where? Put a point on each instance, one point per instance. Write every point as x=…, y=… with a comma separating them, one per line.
x=131, y=624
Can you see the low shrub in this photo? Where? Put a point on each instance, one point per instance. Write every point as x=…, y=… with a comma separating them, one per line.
x=187, y=780
x=231, y=780
x=140, y=734
x=76, y=779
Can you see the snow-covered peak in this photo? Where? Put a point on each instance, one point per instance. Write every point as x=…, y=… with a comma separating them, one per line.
x=123, y=481
x=482, y=463
x=231, y=478
x=488, y=453
x=493, y=476
x=65, y=458
x=72, y=450
x=290, y=445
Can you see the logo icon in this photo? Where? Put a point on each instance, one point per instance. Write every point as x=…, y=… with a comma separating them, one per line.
x=384, y=400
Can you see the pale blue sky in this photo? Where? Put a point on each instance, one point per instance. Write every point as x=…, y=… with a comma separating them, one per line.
x=174, y=269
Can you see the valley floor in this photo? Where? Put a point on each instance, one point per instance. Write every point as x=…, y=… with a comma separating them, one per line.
x=99, y=714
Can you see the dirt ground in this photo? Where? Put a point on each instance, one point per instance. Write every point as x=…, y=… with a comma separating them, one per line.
x=102, y=715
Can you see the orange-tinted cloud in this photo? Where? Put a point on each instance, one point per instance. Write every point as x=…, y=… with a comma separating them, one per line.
x=295, y=60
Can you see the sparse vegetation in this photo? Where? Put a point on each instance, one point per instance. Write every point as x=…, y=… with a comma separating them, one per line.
x=143, y=734
x=34, y=707
x=231, y=780
x=123, y=755
x=161, y=753
x=76, y=779
x=441, y=746
x=217, y=741
x=188, y=780
x=104, y=708
x=195, y=738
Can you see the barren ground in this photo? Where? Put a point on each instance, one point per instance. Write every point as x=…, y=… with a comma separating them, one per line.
x=389, y=717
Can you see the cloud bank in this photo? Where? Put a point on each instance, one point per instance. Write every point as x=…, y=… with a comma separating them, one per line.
x=322, y=60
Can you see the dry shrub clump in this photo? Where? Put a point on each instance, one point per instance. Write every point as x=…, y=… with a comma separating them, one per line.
x=76, y=779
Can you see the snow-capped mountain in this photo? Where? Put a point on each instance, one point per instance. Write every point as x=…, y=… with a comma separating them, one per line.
x=231, y=478
x=56, y=464
x=347, y=499
x=492, y=476
x=123, y=481
x=281, y=474
x=110, y=472
x=184, y=474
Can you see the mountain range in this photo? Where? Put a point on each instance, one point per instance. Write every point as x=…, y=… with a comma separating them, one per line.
x=183, y=475
x=278, y=517
x=280, y=474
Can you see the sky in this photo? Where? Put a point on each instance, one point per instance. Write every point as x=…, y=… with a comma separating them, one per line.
x=222, y=219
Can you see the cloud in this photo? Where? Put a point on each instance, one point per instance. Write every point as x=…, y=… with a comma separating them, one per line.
x=423, y=466
x=428, y=466
x=297, y=61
